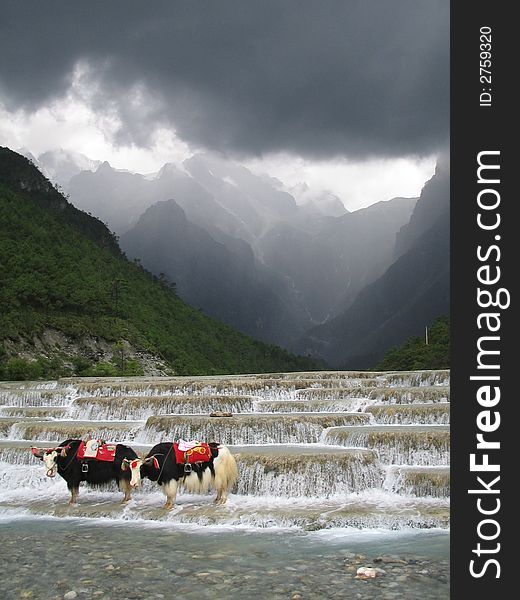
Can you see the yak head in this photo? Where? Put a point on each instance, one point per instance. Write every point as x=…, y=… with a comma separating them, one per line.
x=135, y=468
x=50, y=459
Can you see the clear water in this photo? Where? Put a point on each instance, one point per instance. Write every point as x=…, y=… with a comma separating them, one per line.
x=50, y=558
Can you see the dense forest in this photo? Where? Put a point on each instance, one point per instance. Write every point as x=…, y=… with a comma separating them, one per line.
x=62, y=270
x=416, y=354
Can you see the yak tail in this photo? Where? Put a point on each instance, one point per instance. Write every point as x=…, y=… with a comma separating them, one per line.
x=226, y=471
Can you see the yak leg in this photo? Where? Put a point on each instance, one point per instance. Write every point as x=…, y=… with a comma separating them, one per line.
x=74, y=491
x=221, y=496
x=124, y=486
x=170, y=491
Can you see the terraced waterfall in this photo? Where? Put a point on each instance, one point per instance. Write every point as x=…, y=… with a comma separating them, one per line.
x=315, y=450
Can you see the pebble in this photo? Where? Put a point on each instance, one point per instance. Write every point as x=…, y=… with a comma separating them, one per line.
x=369, y=573
x=70, y=595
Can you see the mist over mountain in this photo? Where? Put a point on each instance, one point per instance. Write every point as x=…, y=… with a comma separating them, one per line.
x=434, y=205
x=412, y=292
x=322, y=203
x=224, y=280
x=327, y=262
x=288, y=268
x=61, y=165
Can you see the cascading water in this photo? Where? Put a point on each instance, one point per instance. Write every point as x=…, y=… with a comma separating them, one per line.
x=417, y=481
x=301, y=405
x=410, y=444
x=314, y=450
x=142, y=407
x=291, y=471
x=404, y=414
x=37, y=412
x=247, y=428
x=60, y=429
x=34, y=397
x=416, y=378
x=393, y=395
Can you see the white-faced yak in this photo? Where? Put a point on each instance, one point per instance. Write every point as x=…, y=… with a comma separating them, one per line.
x=94, y=462
x=193, y=466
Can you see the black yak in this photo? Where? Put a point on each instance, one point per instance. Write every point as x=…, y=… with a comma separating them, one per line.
x=197, y=469
x=70, y=460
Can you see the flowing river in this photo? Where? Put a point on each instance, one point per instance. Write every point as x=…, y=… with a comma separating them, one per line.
x=337, y=471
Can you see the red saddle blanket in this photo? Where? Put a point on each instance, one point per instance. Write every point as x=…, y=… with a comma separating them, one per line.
x=199, y=453
x=97, y=450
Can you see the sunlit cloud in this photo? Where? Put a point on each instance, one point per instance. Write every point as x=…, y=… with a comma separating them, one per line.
x=72, y=125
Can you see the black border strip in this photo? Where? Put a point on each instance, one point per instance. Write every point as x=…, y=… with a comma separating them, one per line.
x=474, y=129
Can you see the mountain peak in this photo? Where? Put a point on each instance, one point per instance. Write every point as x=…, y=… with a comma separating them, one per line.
x=167, y=170
x=104, y=166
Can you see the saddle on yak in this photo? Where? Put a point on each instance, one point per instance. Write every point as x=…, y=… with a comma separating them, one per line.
x=189, y=453
x=95, y=450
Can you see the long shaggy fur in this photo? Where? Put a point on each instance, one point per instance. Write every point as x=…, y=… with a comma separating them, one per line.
x=220, y=473
x=226, y=471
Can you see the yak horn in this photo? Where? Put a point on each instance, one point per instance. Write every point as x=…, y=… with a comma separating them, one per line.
x=152, y=460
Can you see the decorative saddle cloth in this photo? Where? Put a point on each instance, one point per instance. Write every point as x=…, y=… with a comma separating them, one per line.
x=96, y=449
x=191, y=452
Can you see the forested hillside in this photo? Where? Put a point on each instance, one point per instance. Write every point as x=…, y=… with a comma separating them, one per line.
x=67, y=291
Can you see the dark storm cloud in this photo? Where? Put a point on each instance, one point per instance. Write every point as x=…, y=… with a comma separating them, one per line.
x=338, y=77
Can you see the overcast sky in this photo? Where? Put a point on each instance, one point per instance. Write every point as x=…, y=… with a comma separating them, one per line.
x=350, y=95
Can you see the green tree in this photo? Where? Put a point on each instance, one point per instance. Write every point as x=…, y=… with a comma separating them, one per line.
x=21, y=369
x=416, y=354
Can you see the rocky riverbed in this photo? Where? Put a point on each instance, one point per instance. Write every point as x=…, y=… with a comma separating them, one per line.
x=56, y=559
